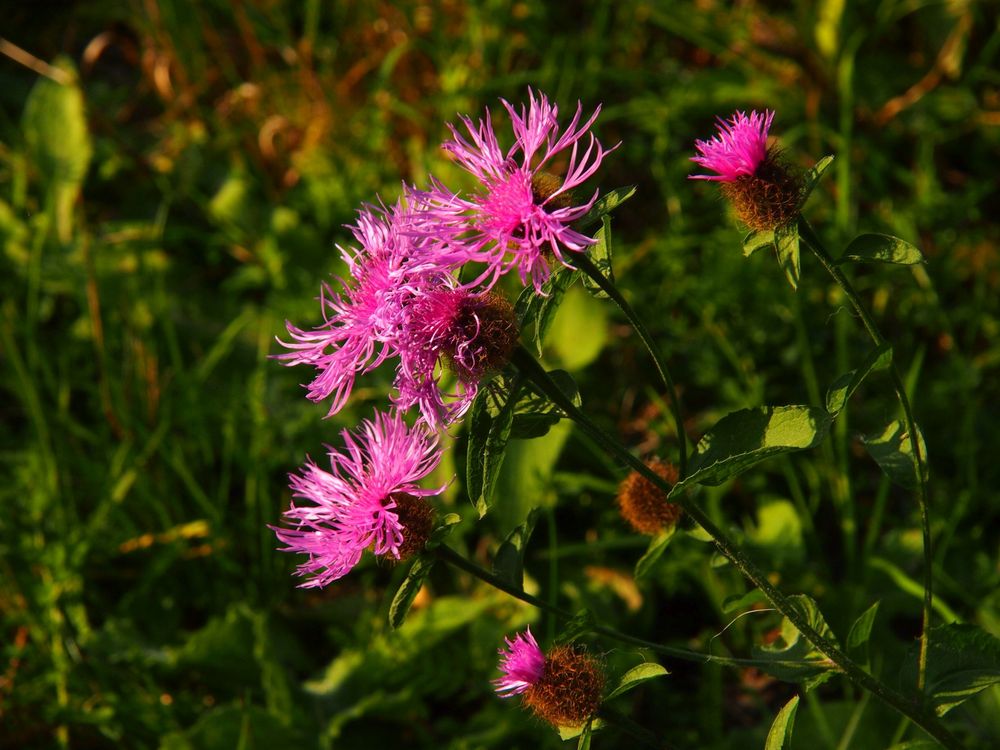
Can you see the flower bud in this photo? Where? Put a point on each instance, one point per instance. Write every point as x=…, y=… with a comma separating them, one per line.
x=644, y=505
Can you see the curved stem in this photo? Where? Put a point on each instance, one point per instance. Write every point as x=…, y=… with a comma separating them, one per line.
x=533, y=370
x=585, y=264
x=813, y=242
x=450, y=556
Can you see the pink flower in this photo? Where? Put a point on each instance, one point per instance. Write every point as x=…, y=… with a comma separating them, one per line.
x=739, y=147
x=524, y=213
x=451, y=328
x=362, y=324
x=364, y=502
x=523, y=665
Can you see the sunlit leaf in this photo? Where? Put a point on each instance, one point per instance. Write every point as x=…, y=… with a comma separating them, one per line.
x=860, y=633
x=443, y=530
x=813, y=175
x=636, y=676
x=757, y=240
x=408, y=590
x=780, y=734
x=786, y=244
x=881, y=248
x=811, y=667
x=490, y=422
x=605, y=205
x=961, y=661
x=657, y=546
x=844, y=387
x=601, y=254
x=892, y=449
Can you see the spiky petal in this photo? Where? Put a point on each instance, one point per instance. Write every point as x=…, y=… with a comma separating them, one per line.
x=738, y=149
x=522, y=663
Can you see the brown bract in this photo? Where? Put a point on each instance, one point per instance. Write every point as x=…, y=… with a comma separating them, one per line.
x=770, y=197
x=570, y=689
x=417, y=518
x=544, y=185
x=489, y=322
x=644, y=505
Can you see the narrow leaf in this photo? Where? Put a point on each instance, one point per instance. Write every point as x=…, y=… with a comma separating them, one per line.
x=757, y=240
x=786, y=244
x=657, y=547
x=892, y=449
x=605, y=205
x=813, y=176
x=636, y=676
x=780, y=735
x=961, y=661
x=407, y=592
x=532, y=425
x=749, y=436
x=812, y=668
x=860, y=633
x=742, y=602
x=584, y=741
x=601, y=255
x=569, y=733
x=881, y=248
x=508, y=563
x=845, y=386
x=488, y=436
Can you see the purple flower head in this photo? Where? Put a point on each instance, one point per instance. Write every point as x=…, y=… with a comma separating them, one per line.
x=524, y=213
x=522, y=664
x=739, y=147
x=359, y=503
x=470, y=334
x=362, y=324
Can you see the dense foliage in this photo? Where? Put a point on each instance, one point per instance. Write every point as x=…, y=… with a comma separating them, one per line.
x=173, y=181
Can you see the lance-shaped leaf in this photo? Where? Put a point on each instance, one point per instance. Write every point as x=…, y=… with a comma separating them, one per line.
x=749, y=436
x=635, y=677
x=813, y=176
x=489, y=430
x=657, y=546
x=793, y=658
x=961, y=661
x=845, y=386
x=508, y=563
x=758, y=239
x=407, y=592
x=786, y=245
x=860, y=633
x=601, y=255
x=537, y=311
x=780, y=735
x=880, y=248
x=604, y=206
x=892, y=449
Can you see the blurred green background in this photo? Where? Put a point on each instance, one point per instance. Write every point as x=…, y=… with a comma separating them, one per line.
x=173, y=179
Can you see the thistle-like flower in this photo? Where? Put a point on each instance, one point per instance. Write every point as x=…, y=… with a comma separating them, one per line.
x=522, y=217
x=362, y=325
x=762, y=189
x=370, y=499
x=644, y=505
x=470, y=334
x=563, y=687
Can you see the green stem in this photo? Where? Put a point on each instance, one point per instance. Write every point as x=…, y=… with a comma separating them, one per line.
x=450, y=556
x=528, y=365
x=813, y=242
x=583, y=262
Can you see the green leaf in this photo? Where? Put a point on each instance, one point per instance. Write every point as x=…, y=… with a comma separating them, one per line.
x=845, y=386
x=604, y=205
x=757, y=240
x=813, y=175
x=786, y=245
x=860, y=633
x=443, y=530
x=657, y=546
x=793, y=647
x=490, y=423
x=577, y=626
x=601, y=255
x=749, y=436
x=740, y=602
x=584, y=742
x=535, y=414
x=537, y=311
x=407, y=592
x=508, y=563
x=780, y=734
x=578, y=332
x=880, y=248
x=532, y=425
x=892, y=449
x=961, y=661
x=636, y=676
x=55, y=128
x=569, y=733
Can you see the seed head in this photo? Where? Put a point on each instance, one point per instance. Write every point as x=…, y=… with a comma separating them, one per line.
x=644, y=505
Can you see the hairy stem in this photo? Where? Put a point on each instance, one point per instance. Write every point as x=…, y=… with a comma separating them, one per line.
x=530, y=367
x=813, y=242
x=583, y=262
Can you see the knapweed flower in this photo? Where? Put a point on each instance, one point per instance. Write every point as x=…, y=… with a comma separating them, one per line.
x=762, y=189
x=644, y=505
x=362, y=324
x=563, y=687
x=522, y=217
x=470, y=334
x=370, y=499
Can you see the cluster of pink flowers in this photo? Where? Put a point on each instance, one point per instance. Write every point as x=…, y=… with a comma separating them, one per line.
x=403, y=302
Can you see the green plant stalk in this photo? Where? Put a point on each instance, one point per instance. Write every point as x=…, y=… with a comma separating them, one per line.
x=450, y=556
x=583, y=262
x=813, y=242
x=523, y=360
